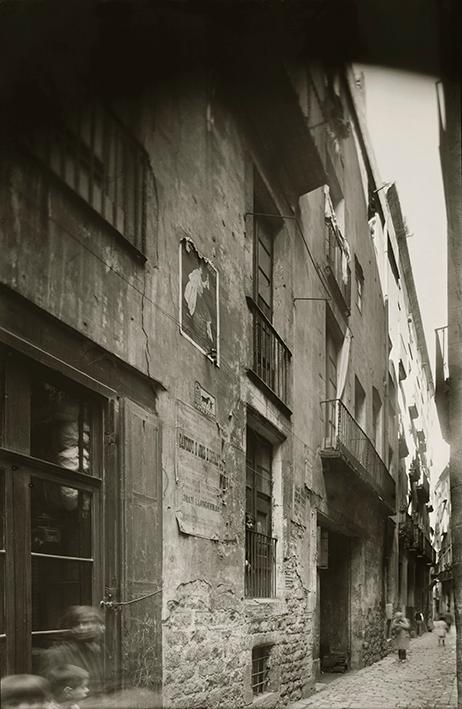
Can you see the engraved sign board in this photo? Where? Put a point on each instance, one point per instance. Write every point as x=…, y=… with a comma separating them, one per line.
x=198, y=467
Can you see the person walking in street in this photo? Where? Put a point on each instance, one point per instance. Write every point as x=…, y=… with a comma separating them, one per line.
x=399, y=630
x=441, y=628
x=449, y=618
x=419, y=621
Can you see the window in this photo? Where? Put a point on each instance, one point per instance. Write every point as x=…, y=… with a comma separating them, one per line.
x=271, y=355
x=52, y=539
x=260, y=668
x=264, y=266
x=260, y=546
x=360, y=403
x=332, y=355
x=359, y=285
x=265, y=231
x=61, y=426
x=93, y=153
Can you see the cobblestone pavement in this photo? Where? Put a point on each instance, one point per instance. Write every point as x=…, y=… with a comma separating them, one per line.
x=426, y=679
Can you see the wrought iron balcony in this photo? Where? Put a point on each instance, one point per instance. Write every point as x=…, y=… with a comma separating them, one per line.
x=418, y=539
x=428, y=552
x=346, y=439
x=444, y=567
x=423, y=489
x=406, y=531
x=337, y=270
x=260, y=565
x=271, y=356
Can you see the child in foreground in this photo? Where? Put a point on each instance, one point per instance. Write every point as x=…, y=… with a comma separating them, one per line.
x=25, y=692
x=69, y=685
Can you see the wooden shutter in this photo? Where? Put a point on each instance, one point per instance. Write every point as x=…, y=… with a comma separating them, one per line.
x=323, y=548
x=142, y=547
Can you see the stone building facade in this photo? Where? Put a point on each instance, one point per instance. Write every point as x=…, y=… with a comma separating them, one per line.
x=195, y=362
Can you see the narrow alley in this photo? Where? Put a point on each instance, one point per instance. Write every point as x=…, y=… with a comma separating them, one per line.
x=426, y=679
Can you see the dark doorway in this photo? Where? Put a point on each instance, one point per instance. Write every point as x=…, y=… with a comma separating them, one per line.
x=334, y=590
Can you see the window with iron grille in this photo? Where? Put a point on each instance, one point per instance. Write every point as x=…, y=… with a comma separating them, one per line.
x=94, y=154
x=271, y=355
x=260, y=668
x=260, y=547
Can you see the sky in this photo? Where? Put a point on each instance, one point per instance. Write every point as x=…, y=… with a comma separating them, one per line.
x=402, y=120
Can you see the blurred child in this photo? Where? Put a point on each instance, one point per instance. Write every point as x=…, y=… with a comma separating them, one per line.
x=69, y=685
x=81, y=646
x=440, y=627
x=399, y=630
x=25, y=692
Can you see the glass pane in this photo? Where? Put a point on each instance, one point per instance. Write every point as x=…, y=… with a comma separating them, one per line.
x=56, y=585
x=60, y=427
x=3, y=671
x=61, y=519
x=2, y=554
x=2, y=509
x=264, y=261
x=2, y=596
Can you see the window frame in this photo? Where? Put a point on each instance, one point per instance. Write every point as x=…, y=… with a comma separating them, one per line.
x=261, y=654
x=64, y=151
x=20, y=467
x=259, y=545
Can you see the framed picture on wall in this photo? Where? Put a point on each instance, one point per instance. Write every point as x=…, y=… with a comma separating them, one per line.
x=199, y=305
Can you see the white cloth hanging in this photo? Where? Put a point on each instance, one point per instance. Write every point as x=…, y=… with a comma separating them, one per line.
x=343, y=364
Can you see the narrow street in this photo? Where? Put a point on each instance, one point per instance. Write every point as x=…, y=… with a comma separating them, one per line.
x=426, y=680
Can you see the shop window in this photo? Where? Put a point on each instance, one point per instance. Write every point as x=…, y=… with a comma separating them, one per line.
x=61, y=549
x=51, y=463
x=61, y=426
x=260, y=545
x=2, y=569
x=260, y=668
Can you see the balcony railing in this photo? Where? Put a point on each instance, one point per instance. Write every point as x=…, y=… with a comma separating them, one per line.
x=271, y=356
x=429, y=552
x=406, y=531
x=423, y=489
x=445, y=560
x=418, y=539
x=344, y=437
x=338, y=270
x=260, y=565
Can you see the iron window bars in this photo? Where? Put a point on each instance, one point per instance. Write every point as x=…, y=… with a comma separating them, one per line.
x=260, y=668
x=271, y=356
x=92, y=152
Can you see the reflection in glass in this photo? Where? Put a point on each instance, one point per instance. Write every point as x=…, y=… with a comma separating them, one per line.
x=2, y=509
x=61, y=519
x=60, y=427
x=56, y=585
x=2, y=594
x=2, y=553
x=3, y=671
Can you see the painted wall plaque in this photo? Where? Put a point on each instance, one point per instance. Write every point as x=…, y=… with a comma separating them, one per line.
x=199, y=466
x=199, y=307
